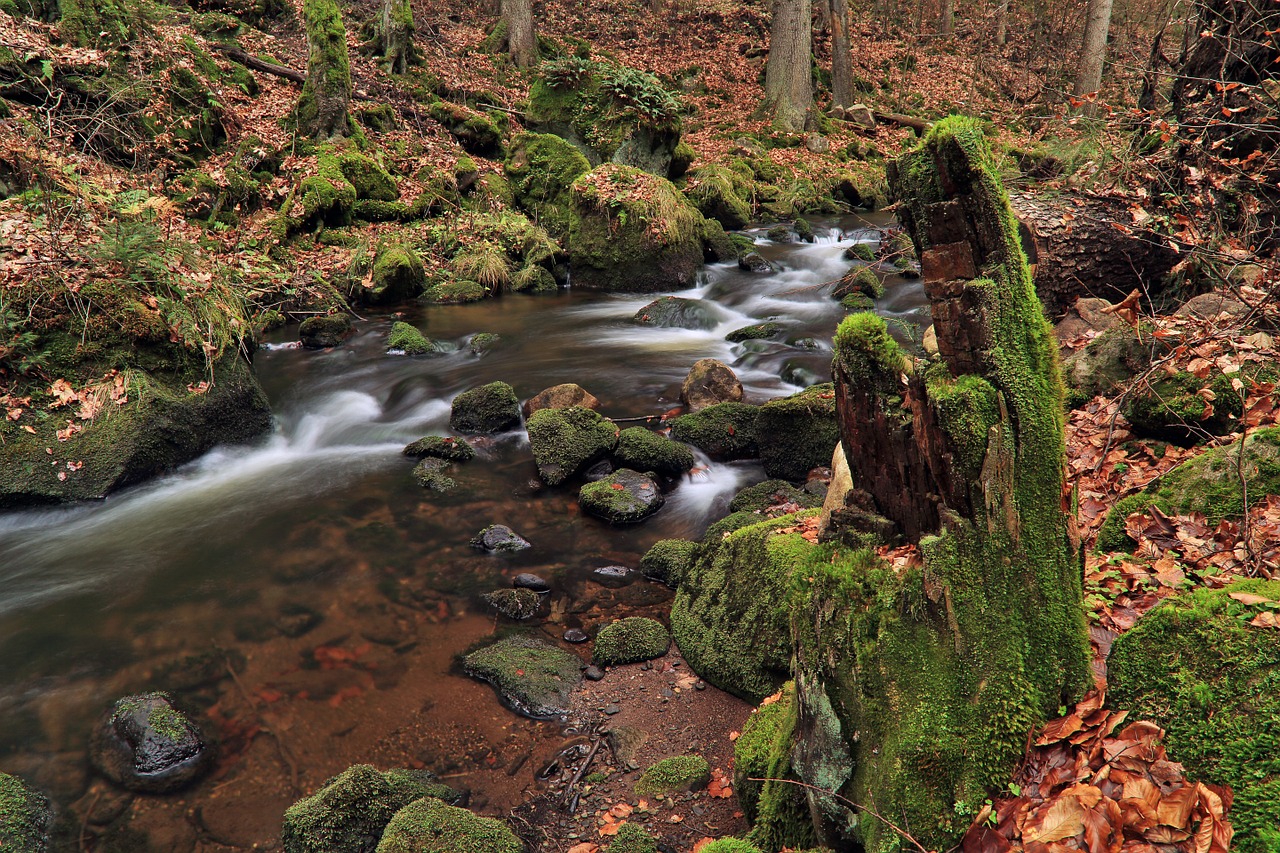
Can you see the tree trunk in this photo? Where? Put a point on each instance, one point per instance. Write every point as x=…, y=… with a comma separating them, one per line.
x=947, y=18
x=1002, y=23
x=1093, y=52
x=841, y=54
x=788, y=90
x=326, y=96
x=521, y=42
x=395, y=35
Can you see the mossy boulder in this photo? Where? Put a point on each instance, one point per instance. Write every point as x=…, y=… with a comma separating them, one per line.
x=645, y=450
x=754, y=332
x=753, y=261
x=1185, y=409
x=456, y=292
x=397, y=275
x=566, y=441
x=487, y=409
x=623, y=497
x=431, y=826
x=325, y=331
x=632, y=232
x=534, y=280
x=1208, y=484
x=482, y=342
x=1107, y=361
x=668, y=560
x=725, y=431
x=772, y=494
x=145, y=744
x=369, y=179
x=678, y=312
x=861, y=281
x=722, y=194
x=326, y=198
x=530, y=675
x=441, y=447
x=1205, y=666
x=674, y=775
x=632, y=838
x=499, y=539
x=859, y=252
x=407, y=339
x=717, y=246
x=26, y=817
x=476, y=132
x=517, y=604
x=351, y=810
x=542, y=167
x=630, y=640
x=798, y=433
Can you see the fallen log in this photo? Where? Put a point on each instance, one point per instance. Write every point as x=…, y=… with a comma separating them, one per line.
x=250, y=61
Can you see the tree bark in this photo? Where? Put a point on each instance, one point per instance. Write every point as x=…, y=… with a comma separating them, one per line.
x=1093, y=52
x=521, y=41
x=326, y=95
x=788, y=89
x=395, y=35
x=947, y=18
x=841, y=54
x=1002, y=23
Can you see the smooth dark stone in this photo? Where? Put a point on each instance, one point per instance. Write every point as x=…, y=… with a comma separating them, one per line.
x=593, y=673
x=575, y=635
x=528, y=580
x=145, y=744
x=499, y=538
x=613, y=576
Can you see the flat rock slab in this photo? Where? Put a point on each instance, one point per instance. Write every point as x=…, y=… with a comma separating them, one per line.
x=532, y=677
x=624, y=497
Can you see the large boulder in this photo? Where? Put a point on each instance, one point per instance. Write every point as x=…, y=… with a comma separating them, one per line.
x=145, y=744
x=530, y=675
x=566, y=441
x=25, y=817
x=325, y=331
x=668, y=560
x=797, y=434
x=623, y=497
x=632, y=232
x=708, y=382
x=486, y=409
x=645, y=450
x=725, y=431
x=677, y=312
x=431, y=826
x=542, y=167
x=562, y=396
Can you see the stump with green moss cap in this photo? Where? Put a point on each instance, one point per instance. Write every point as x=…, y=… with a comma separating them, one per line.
x=630, y=640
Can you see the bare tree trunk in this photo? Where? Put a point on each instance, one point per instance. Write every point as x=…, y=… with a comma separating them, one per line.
x=947, y=18
x=1002, y=23
x=841, y=54
x=1093, y=52
x=788, y=89
x=395, y=35
x=521, y=42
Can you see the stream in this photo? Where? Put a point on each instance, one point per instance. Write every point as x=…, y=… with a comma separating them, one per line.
x=251, y=561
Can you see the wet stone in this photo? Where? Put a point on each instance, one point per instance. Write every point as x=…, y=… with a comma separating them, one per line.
x=528, y=580
x=514, y=603
x=593, y=673
x=145, y=744
x=613, y=577
x=624, y=497
x=575, y=636
x=498, y=538
x=598, y=471
x=531, y=676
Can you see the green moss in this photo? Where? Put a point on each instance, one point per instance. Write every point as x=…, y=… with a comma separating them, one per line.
x=408, y=340
x=1175, y=408
x=630, y=640
x=757, y=332
x=967, y=409
x=441, y=447
x=716, y=245
x=530, y=675
x=668, y=560
x=632, y=838
x=430, y=826
x=370, y=180
x=673, y=776
x=730, y=845
x=868, y=353
x=429, y=474
x=397, y=275
x=534, y=279
x=477, y=133
x=861, y=280
x=798, y=433
x=565, y=441
x=860, y=252
x=776, y=808
x=773, y=493
x=542, y=168
x=327, y=197
x=380, y=211
x=25, y=817
x=487, y=409
x=723, y=431
x=645, y=450
x=1197, y=667
x=93, y=23
x=623, y=497
x=857, y=302
x=721, y=193
x=456, y=293
x=321, y=111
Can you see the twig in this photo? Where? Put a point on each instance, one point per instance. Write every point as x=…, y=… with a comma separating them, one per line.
x=577, y=777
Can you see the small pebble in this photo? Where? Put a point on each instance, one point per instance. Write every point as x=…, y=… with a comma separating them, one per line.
x=593, y=673
x=576, y=635
x=666, y=691
x=611, y=709
x=699, y=685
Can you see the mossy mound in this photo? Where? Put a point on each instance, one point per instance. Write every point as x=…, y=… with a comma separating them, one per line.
x=430, y=474
x=859, y=280
x=542, y=167
x=630, y=640
x=756, y=332
x=456, y=293
x=717, y=246
x=441, y=447
x=673, y=775
x=632, y=232
x=623, y=497
x=408, y=340
x=798, y=433
x=487, y=409
x=731, y=845
x=370, y=180
x=431, y=826
x=26, y=817
x=645, y=450
x=397, y=275
x=534, y=280
x=725, y=431
x=517, y=604
x=476, y=132
x=777, y=810
x=721, y=193
x=1211, y=679
x=860, y=252
x=1105, y=362
x=565, y=441
x=632, y=838
x=1185, y=409
x=326, y=198
x=771, y=494
x=325, y=331
x=531, y=676
x=668, y=560
x=351, y=810
x=1208, y=484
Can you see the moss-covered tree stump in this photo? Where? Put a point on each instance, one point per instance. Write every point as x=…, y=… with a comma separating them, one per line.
x=321, y=112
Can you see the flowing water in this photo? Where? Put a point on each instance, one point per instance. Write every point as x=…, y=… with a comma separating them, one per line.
x=318, y=536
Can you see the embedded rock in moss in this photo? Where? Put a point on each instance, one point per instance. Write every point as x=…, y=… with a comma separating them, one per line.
x=632, y=838
x=397, y=275
x=630, y=640
x=708, y=382
x=797, y=434
x=486, y=409
x=26, y=817
x=632, y=232
x=674, y=775
x=643, y=449
x=1107, y=361
x=321, y=111
x=370, y=180
x=566, y=441
x=324, y=332
x=146, y=744
x=408, y=340
x=677, y=312
x=772, y=494
x=517, y=604
x=431, y=826
x=564, y=396
x=725, y=431
x=1185, y=409
x=668, y=560
x=542, y=167
x=859, y=280
x=623, y=497
x=441, y=447
x=756, y=332
x=351, y=810
x=1200, y=667
x=531, y=676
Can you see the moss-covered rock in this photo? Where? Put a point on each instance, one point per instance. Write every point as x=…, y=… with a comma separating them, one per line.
x=430, y=474
x=566, y=441
x=645, y=450
x=674, y=775
x=517, y=604
x=26, y=817
x=859, y=252
x=630, y=640
x=144, y=743
x=476, y=132
x=1113, y=357
x=859, y=280
x=668, y=560
x=407, y=339
x=1208, y=484
x=1199, y=668
x=717, y=247
x=351, y=810
x=721, y=194
x=542, y=167
x=534, y=279
x=531, y=676
x=441, y=447
x=456, y=293
x=397, y=275
x=623, y=497
x=755, y=332
x=324, y=331
x=731, y=845
x=431, y=826
x=486, y=409
x=482, y=342
x=772, y=494
x=1185, y=409
x=798, y=433
x=369, y=179
x=632, y=838
x=724, y=431
x=632, y=232
x=499, y=539
x=778, y=810
x=708, y=382
x=678, y=312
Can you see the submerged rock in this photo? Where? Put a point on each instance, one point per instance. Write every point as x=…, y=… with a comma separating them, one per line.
x=708, y=382
x=498, y=538
x=756, y=332
x=441, y=447
x=565, y=441
x=624, y=497
x=630, y=640
x=515, y=604
x=528, y=580
x=26, y=817
x=324, y=332
x=676, y=312
x=563, y=396
x=431, y=826
x=531, y=676
x=645, y=450
x=145, y=744
x=615, y=577
x=486, y=409
x=430, y=475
